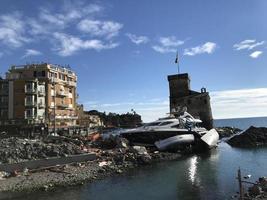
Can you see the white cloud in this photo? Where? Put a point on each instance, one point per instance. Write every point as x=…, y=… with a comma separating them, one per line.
x=68, y=13
x=255, y=54
x=247, y=44
x=31, y=52
x=68, y=44
x=107, y=29
x=167, y=44
x=137, y=39
x=12, y=30
x=208, y=47
x=239, y=103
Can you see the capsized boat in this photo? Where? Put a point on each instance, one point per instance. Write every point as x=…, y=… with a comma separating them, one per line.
x=163, y=128
x=179, y=129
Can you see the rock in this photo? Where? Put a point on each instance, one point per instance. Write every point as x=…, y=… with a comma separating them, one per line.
x=254, y=190
x=119, y=171
x=140, y=150
x=227, y=131
x=122, y=142
x=253, y=136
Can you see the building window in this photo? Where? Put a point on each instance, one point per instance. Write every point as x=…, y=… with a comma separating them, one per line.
x=35, y=74
x=43, y=73
x=205, y=101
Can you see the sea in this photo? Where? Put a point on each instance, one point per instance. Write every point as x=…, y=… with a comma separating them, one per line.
x=207, y=176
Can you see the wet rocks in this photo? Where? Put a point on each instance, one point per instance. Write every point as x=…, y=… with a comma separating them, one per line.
x=253, y=136
x=227, y=131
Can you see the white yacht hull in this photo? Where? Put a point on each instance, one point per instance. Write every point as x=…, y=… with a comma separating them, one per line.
x=210, y=138
x=175, y=141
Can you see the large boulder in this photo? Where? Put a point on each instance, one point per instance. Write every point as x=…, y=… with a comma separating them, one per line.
x=253, y=136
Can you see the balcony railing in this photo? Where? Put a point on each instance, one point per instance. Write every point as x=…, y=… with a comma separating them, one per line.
x=63, y=106
x=41, y=105
x=30, y=90
x=72, y=83
x=30, y=103
x=62, y=94
x=41, y=93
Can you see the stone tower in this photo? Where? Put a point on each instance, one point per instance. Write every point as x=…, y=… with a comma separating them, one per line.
x=197, y=103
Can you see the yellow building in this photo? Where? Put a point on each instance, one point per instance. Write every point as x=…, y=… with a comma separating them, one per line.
x=39, y=93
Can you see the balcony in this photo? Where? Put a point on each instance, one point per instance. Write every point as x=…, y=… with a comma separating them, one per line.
x=41, y=105
x=62, y=94
x=72, y=83
x=30, y=103
x=64, y=106
x=41, y=93
x=30, y=90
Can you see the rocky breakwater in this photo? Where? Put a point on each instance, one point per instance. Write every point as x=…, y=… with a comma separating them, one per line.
x=15, y=150
x=252, y=137
x=114, y=156
x=227, y=131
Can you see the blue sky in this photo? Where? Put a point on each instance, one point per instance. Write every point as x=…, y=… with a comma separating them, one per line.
x=122, y=51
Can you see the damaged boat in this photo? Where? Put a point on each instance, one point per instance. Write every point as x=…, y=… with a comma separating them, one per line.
x=178, y=130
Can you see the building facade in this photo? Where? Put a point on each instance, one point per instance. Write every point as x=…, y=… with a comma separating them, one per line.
x=87, y=119
x=197, y=103
x=39, y=94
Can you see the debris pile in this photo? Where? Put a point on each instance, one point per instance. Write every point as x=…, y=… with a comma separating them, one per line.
x=15, y=150
x=253, y=136
x=258, y=190
x=227, y=131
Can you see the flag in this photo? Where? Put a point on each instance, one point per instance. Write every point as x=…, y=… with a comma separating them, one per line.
x=176, y=59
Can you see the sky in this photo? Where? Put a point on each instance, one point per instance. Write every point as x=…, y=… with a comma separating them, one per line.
x=123, y=51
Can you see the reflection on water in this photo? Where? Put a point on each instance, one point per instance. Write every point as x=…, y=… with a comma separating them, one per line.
x=192, y=169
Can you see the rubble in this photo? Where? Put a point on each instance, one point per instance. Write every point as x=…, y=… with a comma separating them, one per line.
x=227, y=131
x=253, y=136
x=258, y=190
x=15, y=150
x=114, y=156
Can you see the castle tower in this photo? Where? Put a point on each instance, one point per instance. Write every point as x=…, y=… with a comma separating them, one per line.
x=197, y=103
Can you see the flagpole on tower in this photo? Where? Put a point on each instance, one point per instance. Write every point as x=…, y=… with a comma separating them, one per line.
x=177, y=62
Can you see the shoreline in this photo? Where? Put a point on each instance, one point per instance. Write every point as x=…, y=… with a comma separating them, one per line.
x=106, y=165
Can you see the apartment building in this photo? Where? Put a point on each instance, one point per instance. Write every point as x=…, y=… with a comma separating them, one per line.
x=39, y=94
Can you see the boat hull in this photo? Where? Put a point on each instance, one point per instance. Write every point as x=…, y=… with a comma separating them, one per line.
x=210, y=138
x=175, y=142
x=152, y=136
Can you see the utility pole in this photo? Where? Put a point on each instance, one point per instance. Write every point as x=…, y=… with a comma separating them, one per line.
x=54, y=86
x=239, y=177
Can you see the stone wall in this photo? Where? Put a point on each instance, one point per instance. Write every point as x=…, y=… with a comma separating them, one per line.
x=197, y=103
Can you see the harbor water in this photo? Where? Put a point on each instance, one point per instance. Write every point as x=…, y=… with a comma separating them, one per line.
x=205, y=176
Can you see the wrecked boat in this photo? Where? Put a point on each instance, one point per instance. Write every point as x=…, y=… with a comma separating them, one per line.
x=175, y=141
x=179, y=129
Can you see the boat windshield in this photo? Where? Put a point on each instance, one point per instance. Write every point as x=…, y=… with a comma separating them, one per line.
x=153, y=124
x=165, y=123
